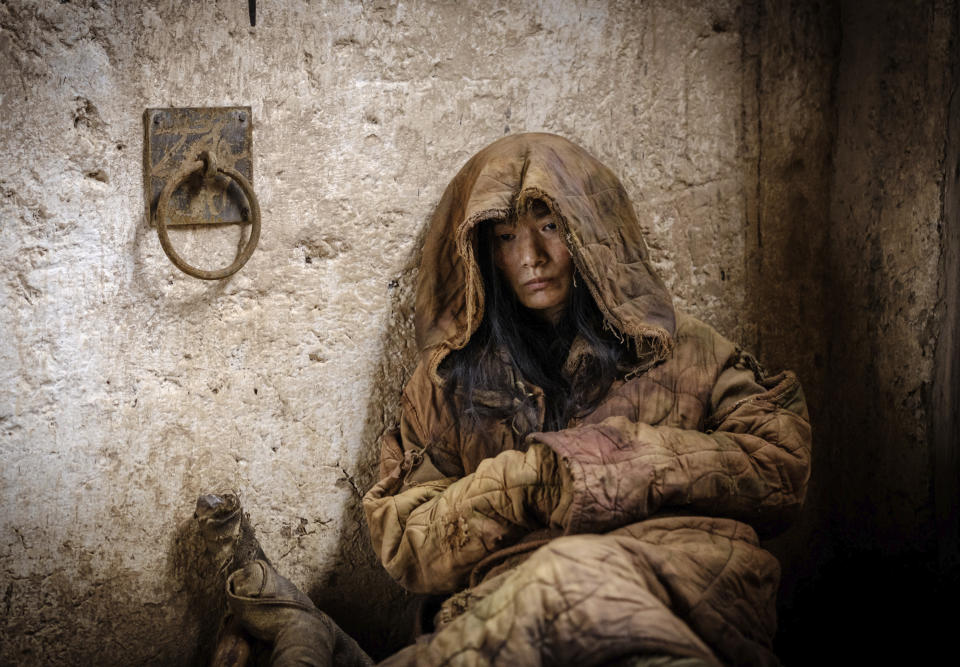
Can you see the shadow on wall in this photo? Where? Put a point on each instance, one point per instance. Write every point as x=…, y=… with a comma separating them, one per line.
x=871, y=608
x=188, y=568
x=359, y=594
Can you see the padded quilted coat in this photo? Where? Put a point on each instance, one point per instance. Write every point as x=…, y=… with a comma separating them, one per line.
x=631, y=532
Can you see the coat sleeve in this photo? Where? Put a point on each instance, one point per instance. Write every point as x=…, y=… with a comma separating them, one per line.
x=430, y=529
x=751, y=462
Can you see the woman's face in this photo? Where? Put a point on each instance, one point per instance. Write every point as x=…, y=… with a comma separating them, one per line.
x=534, y=259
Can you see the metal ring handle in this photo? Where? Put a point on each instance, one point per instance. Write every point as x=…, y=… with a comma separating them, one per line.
x=164, y=200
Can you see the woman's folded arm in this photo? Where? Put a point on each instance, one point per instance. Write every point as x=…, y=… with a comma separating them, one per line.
x=751, y=463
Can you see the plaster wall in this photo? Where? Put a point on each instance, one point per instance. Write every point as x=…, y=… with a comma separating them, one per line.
x=793, y=49
x=945, y=402
x=879, y=534
x=128, y=388
x=887, y=210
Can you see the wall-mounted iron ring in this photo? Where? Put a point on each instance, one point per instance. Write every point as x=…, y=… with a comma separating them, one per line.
x=208, y=164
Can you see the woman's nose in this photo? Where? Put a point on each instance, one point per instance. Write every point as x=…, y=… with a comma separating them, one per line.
x=531, y=251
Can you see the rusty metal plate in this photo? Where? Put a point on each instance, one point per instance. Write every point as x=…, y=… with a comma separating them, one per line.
x=175, y=136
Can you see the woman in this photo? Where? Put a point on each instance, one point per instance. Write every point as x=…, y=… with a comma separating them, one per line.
x=577, y=463
x=578, y=468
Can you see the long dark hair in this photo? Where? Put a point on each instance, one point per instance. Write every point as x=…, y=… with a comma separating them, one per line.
x=513, y=350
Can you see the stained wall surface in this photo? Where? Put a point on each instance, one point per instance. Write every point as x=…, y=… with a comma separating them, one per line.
x=882, y=528
x=128, y=388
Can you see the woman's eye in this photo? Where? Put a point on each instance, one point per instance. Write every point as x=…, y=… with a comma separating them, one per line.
x=505, y=236
x=550, y=226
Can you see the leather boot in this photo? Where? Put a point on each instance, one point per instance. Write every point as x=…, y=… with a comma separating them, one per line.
x=272, y=609
x=229, y=537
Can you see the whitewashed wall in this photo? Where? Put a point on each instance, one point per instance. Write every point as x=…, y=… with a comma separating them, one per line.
x=128, y=388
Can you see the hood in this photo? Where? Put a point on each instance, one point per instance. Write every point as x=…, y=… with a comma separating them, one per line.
x=595, y=216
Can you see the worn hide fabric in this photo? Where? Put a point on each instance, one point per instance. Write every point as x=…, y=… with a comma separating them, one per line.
x=595, y=216
x=630, y=533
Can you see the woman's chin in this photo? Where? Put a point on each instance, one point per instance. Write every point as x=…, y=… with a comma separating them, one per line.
x=549, y=312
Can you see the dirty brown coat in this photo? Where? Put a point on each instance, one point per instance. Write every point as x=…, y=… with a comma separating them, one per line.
x=633, y=530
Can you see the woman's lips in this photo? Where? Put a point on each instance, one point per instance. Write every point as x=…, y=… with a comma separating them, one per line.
x=537, y=283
